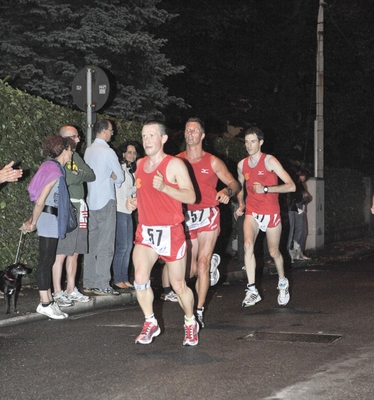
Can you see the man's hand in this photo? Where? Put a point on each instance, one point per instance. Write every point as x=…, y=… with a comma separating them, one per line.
x=158, y=182
x=239, y=212
x=258, y=188
x=222, y=196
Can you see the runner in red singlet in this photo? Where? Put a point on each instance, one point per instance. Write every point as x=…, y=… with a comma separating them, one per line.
x=203, y=217
x=259, y=173
x=163, y=184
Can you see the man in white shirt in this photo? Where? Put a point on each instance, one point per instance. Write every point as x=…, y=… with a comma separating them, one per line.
x=101, y=200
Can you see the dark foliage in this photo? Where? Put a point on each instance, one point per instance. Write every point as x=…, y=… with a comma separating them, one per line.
x=44, y=43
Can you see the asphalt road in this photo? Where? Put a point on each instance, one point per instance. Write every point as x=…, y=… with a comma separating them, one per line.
x=320, y=346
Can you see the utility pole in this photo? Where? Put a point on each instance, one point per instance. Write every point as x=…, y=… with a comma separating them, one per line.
x=319, y=121
x=316, y=185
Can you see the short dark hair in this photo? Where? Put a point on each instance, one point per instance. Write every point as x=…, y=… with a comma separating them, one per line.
x=54, y=145
x=254, y=130
x=100, y=125
x=161, y=125
x=199, y=121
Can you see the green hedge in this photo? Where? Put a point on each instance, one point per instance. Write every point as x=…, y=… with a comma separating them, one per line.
x=25, y=121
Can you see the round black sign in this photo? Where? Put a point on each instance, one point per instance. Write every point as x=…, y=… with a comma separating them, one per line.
x=100, y=88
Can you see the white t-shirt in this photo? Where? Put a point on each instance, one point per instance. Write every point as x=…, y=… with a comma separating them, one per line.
x=127, y=189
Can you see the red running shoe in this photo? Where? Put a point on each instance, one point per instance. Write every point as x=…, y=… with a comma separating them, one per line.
x=148, y=332
x=191, y=331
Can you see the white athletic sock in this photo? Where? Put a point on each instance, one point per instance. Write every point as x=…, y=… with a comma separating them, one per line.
x=152, y=319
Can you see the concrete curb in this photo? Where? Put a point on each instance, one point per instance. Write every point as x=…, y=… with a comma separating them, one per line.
x=96, y=303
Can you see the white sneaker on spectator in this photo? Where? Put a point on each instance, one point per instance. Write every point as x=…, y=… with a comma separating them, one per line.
x=49, y=311
x=58, y=310
x=77, y=296
x=61, y=299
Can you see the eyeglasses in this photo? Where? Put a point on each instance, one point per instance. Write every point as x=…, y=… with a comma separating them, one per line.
x=192, y=130
x=73, y=137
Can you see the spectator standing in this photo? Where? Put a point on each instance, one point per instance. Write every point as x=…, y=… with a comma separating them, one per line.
x=298, y=225
x=101, y=200
x=49, y=192
x=259, y=173
x=130, y=152
x=77, y=172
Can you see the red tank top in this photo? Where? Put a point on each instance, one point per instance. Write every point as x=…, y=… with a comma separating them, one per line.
x=155, y=207
x=206, y=180
x=260, y=203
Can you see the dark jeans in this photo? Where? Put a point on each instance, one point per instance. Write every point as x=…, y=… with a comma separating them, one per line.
x=124, y=244
x=298, y=229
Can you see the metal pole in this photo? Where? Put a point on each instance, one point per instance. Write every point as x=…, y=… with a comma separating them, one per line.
x=316, y=211
x=89, y=106
x=319, y=121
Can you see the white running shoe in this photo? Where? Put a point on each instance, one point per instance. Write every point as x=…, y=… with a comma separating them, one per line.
x=58, y=310
x=172, y=296
x=251, y=298
x=49, y=311
x=61, y=299
x=284, y=292
x=214, y=271
x=77, y=296
x=200, y=317
x=109, y=291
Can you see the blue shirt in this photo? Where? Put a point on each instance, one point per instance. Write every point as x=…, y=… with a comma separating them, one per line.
x=103, y=161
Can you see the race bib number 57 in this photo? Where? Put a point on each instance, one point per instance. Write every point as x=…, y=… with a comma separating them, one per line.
x=158, y=237
x=197, y=218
